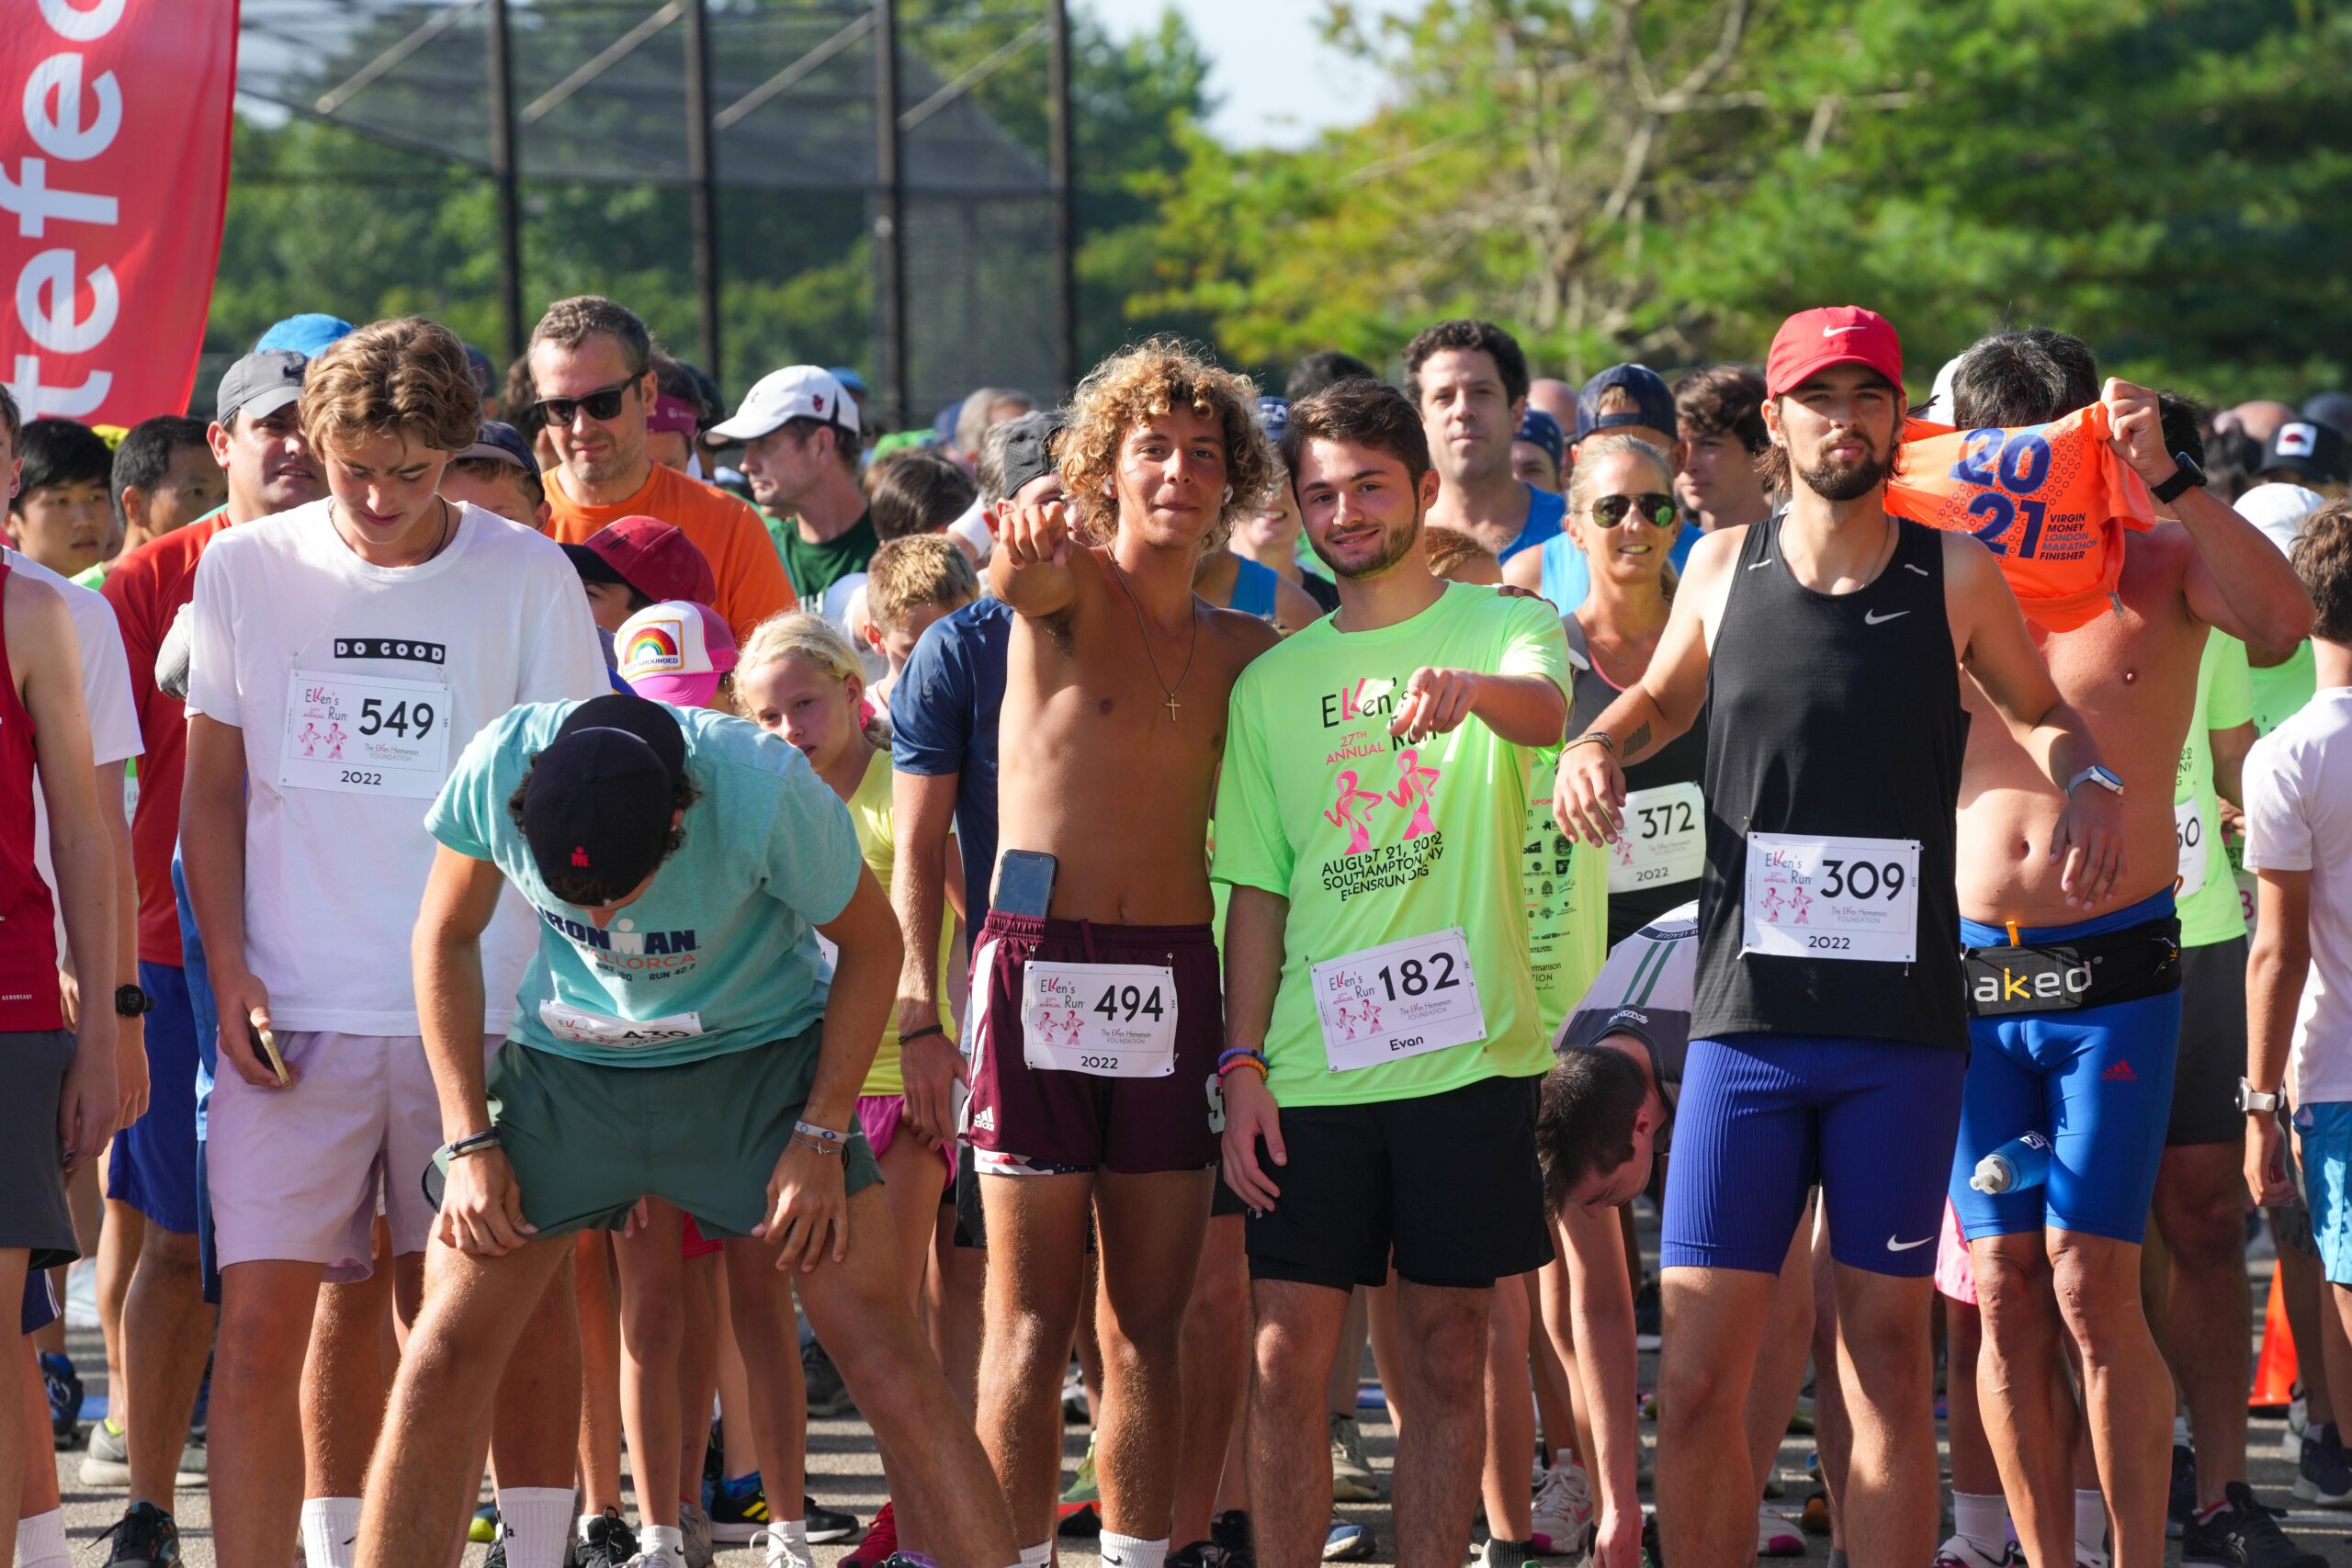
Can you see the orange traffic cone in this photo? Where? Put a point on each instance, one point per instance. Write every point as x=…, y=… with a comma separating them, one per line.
x=2274, y=1374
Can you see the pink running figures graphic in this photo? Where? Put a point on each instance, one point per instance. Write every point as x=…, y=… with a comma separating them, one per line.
x=335, y=736
x=1800, y=902
x=1413, y=789
x=308, y=737
x=1342, y=813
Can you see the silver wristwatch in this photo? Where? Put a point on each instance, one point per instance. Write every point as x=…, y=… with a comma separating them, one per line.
x=2252, y=1100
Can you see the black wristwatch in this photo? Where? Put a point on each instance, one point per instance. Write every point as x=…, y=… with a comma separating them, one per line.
x=129, y=1001
x=2186, y=475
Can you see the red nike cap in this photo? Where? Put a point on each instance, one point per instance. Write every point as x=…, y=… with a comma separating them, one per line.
x=1813, y=341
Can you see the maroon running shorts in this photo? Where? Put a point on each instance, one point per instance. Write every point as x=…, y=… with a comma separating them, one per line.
x=1048, y=1120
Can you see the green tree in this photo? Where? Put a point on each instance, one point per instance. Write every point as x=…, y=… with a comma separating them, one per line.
x=1665, y=179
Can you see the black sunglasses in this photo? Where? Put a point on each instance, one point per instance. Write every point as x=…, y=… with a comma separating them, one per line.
x=604, y=402
x=1656, y=510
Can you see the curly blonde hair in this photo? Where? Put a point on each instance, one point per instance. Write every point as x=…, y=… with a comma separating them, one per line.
x=802, y=634
x=408, y=378
x=1152, y=379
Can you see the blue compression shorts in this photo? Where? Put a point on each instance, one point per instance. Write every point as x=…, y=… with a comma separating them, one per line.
x=2096, y=1081
x=1763, y=1117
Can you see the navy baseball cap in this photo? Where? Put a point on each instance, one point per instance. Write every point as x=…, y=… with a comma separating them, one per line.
x=1544, y=431
x=502, y=442
x=596, y=812
x=1653, y=401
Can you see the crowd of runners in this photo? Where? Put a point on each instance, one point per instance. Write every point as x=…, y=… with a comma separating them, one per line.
x=559, y=917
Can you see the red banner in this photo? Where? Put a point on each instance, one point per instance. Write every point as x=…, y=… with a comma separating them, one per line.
x=113, y=180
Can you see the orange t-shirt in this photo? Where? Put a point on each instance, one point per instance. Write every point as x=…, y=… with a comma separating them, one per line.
x=2051, y=501
x=752, y=585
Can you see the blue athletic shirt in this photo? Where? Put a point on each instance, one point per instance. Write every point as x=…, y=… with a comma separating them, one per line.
x=1547, y=513
x=942, y=720
x=1567, y=575
x=716, y=954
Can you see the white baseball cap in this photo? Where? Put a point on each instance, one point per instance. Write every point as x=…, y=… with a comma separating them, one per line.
x=674, y=652
x=796, y=391
x=2280, y=511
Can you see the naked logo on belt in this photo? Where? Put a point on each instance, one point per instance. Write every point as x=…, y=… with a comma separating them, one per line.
x=391, y=648
x=2026, y=987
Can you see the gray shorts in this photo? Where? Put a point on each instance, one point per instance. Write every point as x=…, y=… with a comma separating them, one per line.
x=32, y=1163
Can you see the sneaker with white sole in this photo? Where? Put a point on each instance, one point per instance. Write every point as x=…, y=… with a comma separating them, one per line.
x=1352, y=1478
x=777, y=1552
x=1776, y=1537
x=1962, y=1552
x=2323, y=1474
x=1562, y=1513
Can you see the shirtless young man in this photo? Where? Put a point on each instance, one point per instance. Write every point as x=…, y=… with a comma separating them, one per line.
x=2093, y=1068
x=1114, y=698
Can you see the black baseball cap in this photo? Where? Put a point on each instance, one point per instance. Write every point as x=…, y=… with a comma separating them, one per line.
x=261, y=382
x=502, y=442
x=1028, y=448
x=597, y=814
x=2312, y=452
x=1653, y=401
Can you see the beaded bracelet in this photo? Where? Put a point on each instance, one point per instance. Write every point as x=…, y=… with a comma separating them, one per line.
x=1241, y=1056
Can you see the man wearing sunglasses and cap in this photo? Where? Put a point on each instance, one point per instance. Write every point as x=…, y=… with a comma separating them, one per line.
x=592, y=363
x=1829, y=1036
x=683, y=867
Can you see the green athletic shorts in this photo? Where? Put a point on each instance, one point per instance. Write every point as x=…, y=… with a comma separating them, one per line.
x=587, y=1141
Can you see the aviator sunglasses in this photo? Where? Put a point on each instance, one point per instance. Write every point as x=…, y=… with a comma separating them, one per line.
x=1610, y=510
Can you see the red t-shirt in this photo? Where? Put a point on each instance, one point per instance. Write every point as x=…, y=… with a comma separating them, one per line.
x=147, y=588
x=28, y=994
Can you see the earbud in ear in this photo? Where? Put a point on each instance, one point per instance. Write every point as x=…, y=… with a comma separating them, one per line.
x=1228, y=495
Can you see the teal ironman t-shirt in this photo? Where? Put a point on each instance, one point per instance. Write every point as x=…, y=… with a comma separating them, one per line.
x=719, y=953
x=1374, y=839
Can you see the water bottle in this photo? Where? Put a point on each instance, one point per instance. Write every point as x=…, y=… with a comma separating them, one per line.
x=2020, y=1162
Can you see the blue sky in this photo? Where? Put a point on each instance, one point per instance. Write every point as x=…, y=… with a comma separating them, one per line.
x=1279, y=82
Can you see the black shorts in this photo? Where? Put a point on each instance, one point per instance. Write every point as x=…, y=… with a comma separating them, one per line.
x=33, y=1213
x=1446, y=1185
x=2213, y=1045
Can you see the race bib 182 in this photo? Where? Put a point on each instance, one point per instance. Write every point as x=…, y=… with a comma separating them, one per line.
x=1399, y=999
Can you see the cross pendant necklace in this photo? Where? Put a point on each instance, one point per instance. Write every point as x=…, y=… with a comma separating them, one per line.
x=1145, y=631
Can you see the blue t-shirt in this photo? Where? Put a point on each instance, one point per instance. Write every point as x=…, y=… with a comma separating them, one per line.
x=1568, y=576
x=1546, y=516
x=942, y=720
x=718, y=953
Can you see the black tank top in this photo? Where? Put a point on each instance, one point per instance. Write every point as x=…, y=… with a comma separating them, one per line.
x=1833, y=714
x=1682, y=760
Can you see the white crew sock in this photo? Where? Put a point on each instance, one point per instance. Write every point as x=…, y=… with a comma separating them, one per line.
x=1036, y=1556
x=1127, y=1552
x=2090, y=1521
x=1983, y=1520
x=41, y=1541
x=666, y=1543
x=532, y=1517
x=330, y=1531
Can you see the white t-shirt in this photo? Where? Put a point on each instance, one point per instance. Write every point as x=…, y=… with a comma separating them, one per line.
x=357, y=686
x=105, y=700
x=2299, y=817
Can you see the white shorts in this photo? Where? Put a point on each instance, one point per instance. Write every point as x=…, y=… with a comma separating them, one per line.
x=298, y=1174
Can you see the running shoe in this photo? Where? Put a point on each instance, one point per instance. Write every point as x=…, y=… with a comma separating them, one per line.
x=605, y=1542
x=738, y=1509
x=2241, y=1533
x=483, y=1527
x=1199, y=1554
x=1352, y=1478
x=694, y=1523
x=1962, y=1552
x=1562, y=1513
x=1081, y=1488
x=1648, y=1316
x=881, y=1540
x=1507, y=1554
x=1230, y=1533
x=826, y=1524
x=1348, y=1541
x=65, y=1398
x=779, y=1551
x=827, y=1395
x=2325, y=1474
x=106, y=1461
x=2180, y=1504
x=144, y=1537
x=1775, y=1537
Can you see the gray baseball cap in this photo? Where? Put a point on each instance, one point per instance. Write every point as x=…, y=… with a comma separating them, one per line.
x=260, y=383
